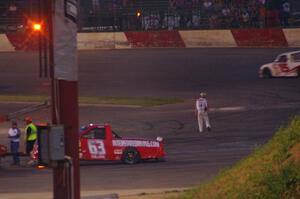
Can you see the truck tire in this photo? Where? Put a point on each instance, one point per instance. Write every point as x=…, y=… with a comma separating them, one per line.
x=130, y=156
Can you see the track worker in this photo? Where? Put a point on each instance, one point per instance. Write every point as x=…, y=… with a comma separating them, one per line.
x=201, y=111
x=14, y=134
x=31, y=134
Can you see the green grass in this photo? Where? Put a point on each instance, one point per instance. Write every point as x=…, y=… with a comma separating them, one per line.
x=22, y=98
x=137, y=101
x=134, y=101
x=272, y=171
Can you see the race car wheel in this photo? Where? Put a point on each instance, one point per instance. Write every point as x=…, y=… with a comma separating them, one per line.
x=267, y=73
x=131, y=156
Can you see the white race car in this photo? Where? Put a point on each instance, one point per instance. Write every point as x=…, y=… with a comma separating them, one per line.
x=285, y=65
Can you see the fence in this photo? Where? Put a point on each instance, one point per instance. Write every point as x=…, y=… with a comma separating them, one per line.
x=148, y=15
x=10, y=17
x=186, y=14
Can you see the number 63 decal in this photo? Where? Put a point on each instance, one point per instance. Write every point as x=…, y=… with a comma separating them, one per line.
x=96, y=147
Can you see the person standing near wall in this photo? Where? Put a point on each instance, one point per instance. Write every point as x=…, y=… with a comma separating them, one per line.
x=14, y=134
x=202, y=112
x=31, y=134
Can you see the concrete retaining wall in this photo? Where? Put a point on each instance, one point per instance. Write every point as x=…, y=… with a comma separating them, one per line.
x=155, y=39
x=5, y=45
x=293, y=37
x=171, y=39
x=208, y=38
x=93, y=41
x=260, y=37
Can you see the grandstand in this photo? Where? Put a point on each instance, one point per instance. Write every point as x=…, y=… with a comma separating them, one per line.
x=11, y=18
x=145, y=15
x=121, y=15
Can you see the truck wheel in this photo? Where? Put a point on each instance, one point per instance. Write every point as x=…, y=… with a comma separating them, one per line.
x=131, y=156
x=160, y=159
x=267, y=73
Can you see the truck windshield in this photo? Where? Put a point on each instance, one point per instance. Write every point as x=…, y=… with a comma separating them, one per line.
x=83, y=128
x=116, y=135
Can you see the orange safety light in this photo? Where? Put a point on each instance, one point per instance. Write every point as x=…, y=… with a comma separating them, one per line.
x=138, y=14
x=37, y=27
x=41, y=167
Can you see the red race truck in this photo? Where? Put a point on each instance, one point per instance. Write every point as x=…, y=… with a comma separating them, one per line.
x=100, y=142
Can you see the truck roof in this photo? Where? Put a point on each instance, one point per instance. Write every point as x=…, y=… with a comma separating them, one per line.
x=291, y=52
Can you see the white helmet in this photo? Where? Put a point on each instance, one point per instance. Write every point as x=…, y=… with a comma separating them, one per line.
x=202, y=94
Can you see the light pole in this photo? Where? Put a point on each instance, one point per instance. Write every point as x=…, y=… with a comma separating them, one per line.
x=61, y=50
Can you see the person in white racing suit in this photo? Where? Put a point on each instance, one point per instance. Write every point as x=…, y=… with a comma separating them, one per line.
x=202, y=112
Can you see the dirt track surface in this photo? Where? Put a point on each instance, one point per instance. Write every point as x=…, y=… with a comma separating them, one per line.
x=245, y=111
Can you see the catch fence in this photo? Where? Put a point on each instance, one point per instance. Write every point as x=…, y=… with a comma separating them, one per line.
x=152, y=15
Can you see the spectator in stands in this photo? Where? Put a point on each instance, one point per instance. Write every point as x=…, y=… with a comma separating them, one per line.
x=208, y=5
x=11, y=11
x=254, y=14
x=245, y=18
x=189, y=13
x=171, y=21
x=285, y=13
x=195, y=4
x=235, y=19
x=95, y=7
x=172, y=4
x=226, y=17
x=196, y=20
x=214, y=21
x=12, y=8
x=262, y=15
x=207, y=8
x=196, y=13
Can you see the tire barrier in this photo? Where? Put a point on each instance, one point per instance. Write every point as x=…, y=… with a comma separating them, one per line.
x=273, y=37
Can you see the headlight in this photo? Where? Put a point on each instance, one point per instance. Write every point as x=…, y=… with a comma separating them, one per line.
x=159, y=139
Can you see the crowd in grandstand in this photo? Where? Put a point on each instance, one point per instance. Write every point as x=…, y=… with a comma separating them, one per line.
x=122, y=15
x=218, y=14
x=195, y=14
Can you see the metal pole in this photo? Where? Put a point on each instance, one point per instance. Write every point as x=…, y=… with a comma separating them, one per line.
x=64, y=111
x=68, y=112
x=39, y=40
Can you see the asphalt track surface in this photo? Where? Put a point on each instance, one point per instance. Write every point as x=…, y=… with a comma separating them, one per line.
x=245, y=111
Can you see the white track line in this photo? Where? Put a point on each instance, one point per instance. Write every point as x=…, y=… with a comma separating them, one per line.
x=228, y=109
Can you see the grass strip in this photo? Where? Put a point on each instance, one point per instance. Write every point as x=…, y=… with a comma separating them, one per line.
x=272, y=171
x=22, y=98
x=145, y=101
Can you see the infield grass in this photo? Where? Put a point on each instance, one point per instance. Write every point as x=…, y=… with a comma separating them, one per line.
x=145, y=101
x=272, y=171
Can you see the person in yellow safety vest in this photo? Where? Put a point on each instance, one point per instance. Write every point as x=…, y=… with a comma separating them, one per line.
x=31, y=134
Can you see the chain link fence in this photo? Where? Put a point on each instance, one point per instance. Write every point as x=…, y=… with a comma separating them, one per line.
x=150, y=15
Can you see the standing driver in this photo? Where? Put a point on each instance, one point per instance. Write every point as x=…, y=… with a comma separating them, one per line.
x=31, y=134
x=202, y=109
